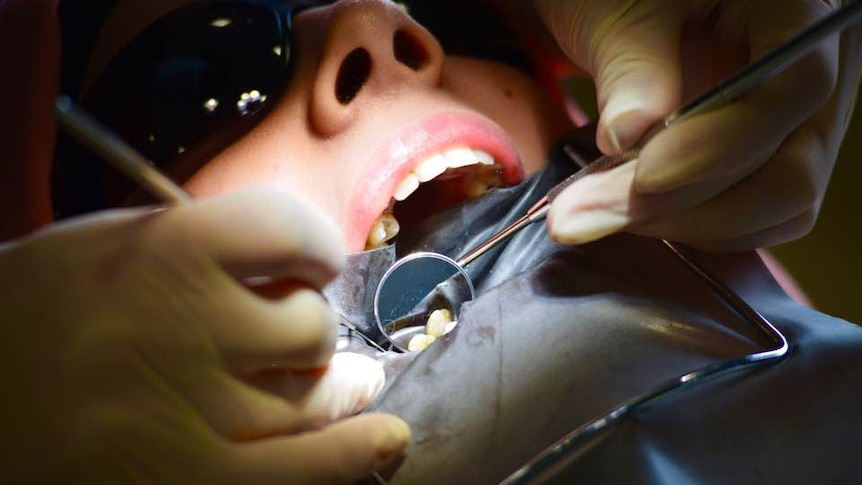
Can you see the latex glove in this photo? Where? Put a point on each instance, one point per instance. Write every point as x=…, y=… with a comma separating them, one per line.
x=126, y=334
x=750, y=174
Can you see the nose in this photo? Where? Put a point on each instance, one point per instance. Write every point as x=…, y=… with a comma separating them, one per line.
x=370, y=49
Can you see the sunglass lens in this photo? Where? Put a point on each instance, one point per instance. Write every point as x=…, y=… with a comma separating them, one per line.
x=194, y=74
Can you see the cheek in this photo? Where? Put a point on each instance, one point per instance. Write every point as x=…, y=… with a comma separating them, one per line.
x=237, y=167
x=263, y=161
x=514, y=101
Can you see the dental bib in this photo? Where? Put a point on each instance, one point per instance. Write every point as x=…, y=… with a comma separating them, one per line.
x=558, y=336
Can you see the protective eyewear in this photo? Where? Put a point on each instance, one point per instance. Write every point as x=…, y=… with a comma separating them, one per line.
x=204, y=75
x=208, y=70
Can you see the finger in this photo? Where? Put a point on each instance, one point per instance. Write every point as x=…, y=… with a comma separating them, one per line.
x=593, y=207
x=341, y=453
x=234, y=410
x=714, y=209
x=741, y=136
x=793, y=182
x=240, y=412
x=250, y=233
x=631, y=49
x=779, y=202
x=297, y=331
x=770, y=236
x=346, y=387
x=258, y=233
x=609, y=202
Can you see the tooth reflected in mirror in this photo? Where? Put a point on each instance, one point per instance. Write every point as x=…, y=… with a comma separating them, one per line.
x=440, y=323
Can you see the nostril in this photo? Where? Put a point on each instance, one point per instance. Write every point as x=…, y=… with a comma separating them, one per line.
x=352, y=74
x=408, y=50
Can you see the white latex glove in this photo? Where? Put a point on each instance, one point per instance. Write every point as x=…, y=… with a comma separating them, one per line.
x=750, y=174
x=134, y=354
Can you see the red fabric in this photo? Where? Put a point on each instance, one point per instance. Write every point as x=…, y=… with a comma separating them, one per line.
x=29, y=57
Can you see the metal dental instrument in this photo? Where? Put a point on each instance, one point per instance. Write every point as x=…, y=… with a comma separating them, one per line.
x=397, y=304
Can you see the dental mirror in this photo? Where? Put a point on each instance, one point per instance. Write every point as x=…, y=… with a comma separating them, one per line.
x=415, y=287
x=419, y=283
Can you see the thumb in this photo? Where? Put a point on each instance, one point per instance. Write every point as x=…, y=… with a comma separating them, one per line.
x=341, y=453
x=350, y=383
x=632, y=51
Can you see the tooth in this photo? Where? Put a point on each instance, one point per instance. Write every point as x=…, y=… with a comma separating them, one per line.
x=385, y=228
x=460, y=157
x=476, y=187
x=484, y=158
x=406, y=187
x=431, y=168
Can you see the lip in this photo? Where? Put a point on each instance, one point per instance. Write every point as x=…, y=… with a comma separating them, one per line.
x=401, y=152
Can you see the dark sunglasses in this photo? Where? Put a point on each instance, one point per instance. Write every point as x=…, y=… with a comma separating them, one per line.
x=198, y=79
x=211, y=68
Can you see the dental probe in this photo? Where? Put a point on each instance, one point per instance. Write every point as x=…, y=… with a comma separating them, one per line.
x=117, y=152
x=723, y=93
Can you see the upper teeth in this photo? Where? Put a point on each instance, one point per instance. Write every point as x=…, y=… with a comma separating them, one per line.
x=386, y=227
x=435, y=165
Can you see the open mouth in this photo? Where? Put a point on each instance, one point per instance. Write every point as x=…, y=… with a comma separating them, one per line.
x=440, y=181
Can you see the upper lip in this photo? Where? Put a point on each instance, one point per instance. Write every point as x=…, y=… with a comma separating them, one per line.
x=401, y=152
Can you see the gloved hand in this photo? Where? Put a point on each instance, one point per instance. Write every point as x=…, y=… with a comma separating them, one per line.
x=749, y=174
x=135, y=352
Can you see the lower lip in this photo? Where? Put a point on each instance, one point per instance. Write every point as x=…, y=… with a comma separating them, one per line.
x=399, y=154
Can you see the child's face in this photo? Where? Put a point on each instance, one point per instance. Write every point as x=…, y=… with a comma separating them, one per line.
x=347, y=132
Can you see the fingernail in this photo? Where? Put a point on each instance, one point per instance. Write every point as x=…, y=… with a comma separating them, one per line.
x=614, y=139
x=391, y=440
x=587, y=226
